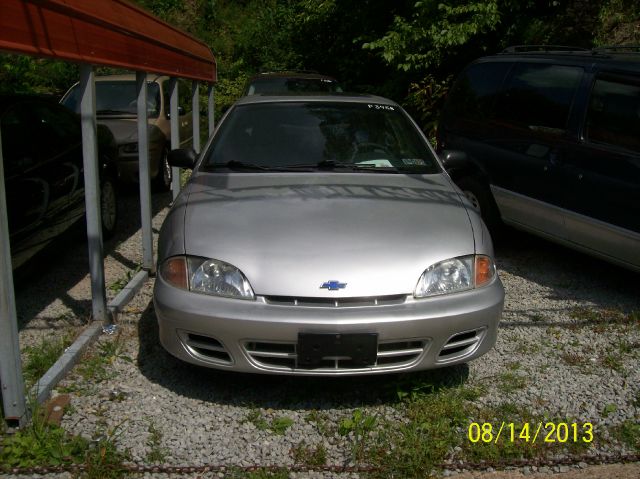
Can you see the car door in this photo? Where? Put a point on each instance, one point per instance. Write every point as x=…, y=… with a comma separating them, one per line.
x=531, y=137
x=604, y=171
x=27, y=191
x=60, y=151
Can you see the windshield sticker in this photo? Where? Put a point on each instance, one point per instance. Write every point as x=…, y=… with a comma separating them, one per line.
x=413, y=161
x=377, y=163
x=381, y=107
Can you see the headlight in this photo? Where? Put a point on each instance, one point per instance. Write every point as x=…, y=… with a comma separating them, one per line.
x=129, y=148
x=207, y=276
x=454, y=275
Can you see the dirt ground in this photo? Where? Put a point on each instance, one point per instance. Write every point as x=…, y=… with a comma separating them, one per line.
x=617, y=471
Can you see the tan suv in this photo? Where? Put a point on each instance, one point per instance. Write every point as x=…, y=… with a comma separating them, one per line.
x=116, y=109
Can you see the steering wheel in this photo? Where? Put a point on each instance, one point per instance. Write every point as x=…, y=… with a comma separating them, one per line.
x=369, y=146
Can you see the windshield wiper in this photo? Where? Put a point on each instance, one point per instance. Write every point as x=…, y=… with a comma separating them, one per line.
x=241, y=165
x=114, y=112
x=343, y=165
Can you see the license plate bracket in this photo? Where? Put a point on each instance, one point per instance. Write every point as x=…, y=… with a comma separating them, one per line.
x=360, y=349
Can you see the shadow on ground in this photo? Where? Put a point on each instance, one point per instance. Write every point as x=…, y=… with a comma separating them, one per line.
x=277, y=391
x=52, y=273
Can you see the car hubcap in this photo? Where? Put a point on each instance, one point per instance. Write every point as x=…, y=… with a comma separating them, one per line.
x=166, y=170
x=473, y=199
x=108, y=206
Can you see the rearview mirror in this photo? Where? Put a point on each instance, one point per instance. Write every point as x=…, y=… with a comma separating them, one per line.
x=454, y=159
x=183, y=158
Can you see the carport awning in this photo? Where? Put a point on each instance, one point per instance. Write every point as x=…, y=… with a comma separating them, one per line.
x=105, y=32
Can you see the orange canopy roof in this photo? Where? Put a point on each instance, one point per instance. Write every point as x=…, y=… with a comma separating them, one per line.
x=103, y=32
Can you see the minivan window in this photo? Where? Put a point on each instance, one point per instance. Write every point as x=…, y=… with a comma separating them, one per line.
x=614, y=114
x=117, y=98
x=473, y=95
x=539, y=97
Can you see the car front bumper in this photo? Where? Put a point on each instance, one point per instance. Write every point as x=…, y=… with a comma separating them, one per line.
x=262, y=336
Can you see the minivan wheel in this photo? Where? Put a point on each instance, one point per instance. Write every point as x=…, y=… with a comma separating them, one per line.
x=163, y=179
x=481, y=199
x=108, y=207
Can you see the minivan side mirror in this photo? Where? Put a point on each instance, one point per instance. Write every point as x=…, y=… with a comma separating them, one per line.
x=454, y=159
x=183, y=158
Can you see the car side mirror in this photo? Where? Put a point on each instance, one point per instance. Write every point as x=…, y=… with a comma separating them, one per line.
x=454, y=159
x=183, y=158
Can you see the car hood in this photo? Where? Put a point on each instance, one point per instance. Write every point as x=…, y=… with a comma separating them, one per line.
x=290, y=233
x=125, y=130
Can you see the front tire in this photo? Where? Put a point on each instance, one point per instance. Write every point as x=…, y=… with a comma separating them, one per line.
x=164, y=177
x=481, y=199
x=108, y=207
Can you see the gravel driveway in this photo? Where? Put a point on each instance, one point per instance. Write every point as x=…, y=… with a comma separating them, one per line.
x=567, y=352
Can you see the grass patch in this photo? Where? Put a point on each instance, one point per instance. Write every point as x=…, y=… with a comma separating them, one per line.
x=612, y=361
x=628, y=433
x=511, y=382
x=156, y=453
x=96, y=365
x=309, y=456
x=44, y=444
x=323, y=425
x=120, y=283
x=359, y=428
x=278, y=425
x=41, y=357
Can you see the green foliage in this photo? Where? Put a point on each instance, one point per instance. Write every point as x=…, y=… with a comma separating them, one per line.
x=433, y=31
x=43, y=444
x=25, y=74
x=358, y=427
x=41, y=357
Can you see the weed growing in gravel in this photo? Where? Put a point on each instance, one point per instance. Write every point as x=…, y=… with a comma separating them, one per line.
x=279, y=425
x=255, y=417
x=436, y=417
x=612, y=361
x=95, y=366
x=41, y=357
x=628, y=433
x=156, y=453
x=309, y=456
x=511, y=382
x=321, y=421
x=358, y=427
x=573, y=359
x=119, y=284
x=609, y=409
x=43, y=444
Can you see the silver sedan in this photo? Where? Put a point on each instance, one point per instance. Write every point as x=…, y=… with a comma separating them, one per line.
x=320, y=235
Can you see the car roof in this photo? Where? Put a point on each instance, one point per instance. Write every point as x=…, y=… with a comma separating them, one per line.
x=618, y=58
x=315, y=97
x=300, y=74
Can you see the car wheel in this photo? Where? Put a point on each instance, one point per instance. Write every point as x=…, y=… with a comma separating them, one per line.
x=163, y=178
x=108, y=207
x=481, y=199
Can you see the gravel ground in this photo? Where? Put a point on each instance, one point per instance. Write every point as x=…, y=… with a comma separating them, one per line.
x=566, y=350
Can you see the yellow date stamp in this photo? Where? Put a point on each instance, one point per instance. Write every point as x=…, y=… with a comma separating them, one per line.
x=530, y=432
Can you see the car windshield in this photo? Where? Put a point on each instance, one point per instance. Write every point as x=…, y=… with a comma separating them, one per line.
x=117, y=98
x=340, y=136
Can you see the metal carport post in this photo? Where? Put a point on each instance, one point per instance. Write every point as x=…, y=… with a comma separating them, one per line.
x=116, y=34
x=10, y=363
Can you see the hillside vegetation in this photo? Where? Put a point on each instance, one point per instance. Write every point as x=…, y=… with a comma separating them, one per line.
x=407, y=50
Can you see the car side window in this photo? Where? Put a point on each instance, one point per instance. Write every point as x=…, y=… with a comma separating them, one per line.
x=18, y=147
x=613, y=117
x=184, y=96
x=538, y=97
x=474, y=93
x=58, y=129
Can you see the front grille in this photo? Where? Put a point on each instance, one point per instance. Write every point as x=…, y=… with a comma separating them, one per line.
x=283, y=356
x=461, y=344
x=336, y=302
x=205, y=347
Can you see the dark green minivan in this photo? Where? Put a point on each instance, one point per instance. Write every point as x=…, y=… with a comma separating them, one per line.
x=552, y=143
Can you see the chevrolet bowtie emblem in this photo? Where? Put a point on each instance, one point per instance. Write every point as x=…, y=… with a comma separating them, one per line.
x=333, y=285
